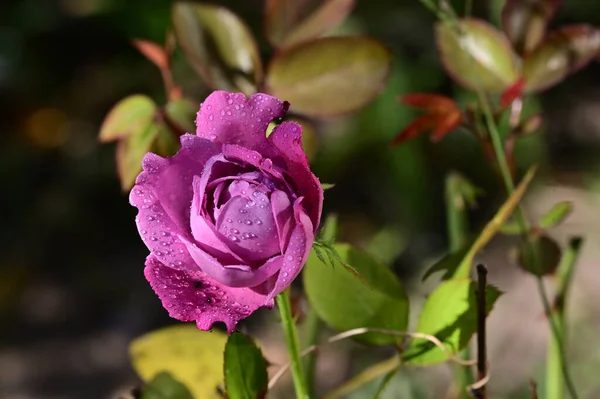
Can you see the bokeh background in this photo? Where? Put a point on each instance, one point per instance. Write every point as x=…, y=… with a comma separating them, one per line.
x=72, y=292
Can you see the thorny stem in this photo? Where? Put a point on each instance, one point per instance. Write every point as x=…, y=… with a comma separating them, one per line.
x=293, y=346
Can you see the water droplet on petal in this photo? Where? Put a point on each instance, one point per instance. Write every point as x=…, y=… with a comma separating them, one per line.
x=233, y=238
x=258, y=222
x=289, y=257
x=234, y=231
x=211, y=117
x=248, y=222
x=229, y=220
x=213, y=136
x=150, y=218
x=229, y=101
x=208, y=107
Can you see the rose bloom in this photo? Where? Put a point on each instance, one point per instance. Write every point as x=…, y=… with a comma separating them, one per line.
x=230, y=219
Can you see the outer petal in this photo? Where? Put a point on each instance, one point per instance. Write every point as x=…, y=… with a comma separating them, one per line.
x=287, y=140
x=283, y=214
x=297, y=251
x=230, y=118
x=193, y=296
x=233, y=275
x=170, y=179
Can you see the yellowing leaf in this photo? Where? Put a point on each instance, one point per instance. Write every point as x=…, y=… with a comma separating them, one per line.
x=129, y=116
x=192, y=356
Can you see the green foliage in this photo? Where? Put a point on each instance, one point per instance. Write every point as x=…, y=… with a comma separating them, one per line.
x=450, y=314
x=329, y=76
x=345, y=302
x=477, y=55
x=128, y=117
x=245, y=369
x=556, y=215
x=218, y=45
x=164, y=386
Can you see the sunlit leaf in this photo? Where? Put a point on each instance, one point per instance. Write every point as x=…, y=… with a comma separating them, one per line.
x=447, y=263
x=245, y=369
x=164, y=386
x=327, y=186
x=450, y=314
x=540, y=256
x=563, y=52
x=344, y=301
x=218, y=45
x=525, y=22
x=132, y=149
x=556, y=215
x=329, y=76
x=191, y=356
x=129, y=116
x=477, y=55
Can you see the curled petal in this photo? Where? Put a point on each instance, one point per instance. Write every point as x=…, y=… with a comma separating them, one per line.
x=232, y=275
x=287, y=139
x=193, y=296
x=297, y=250
x=230, y=118
x=283, y=214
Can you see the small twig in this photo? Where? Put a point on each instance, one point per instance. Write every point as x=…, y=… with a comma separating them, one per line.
x=533, y=389
x=480, y=391
x=364, y=330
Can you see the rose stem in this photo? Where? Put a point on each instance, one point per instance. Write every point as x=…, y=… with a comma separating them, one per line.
x=292, y=342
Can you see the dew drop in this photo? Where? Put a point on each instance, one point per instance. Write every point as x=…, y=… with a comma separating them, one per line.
x=233, y=238
x=229, y=113
x=153, y=238
x=234, y=231
x=289, y=257
x=243, y=211
x=229, y=101
x=150, y=218
x=211, y=117
x=258, y=222
x=248, y=222
x=208, y=107
x=213, y=136
x=143, y=232
x=285, y=274
x=229, y=220
x=245, y=236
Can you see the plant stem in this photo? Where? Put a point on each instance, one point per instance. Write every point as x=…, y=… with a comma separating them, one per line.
x=312, y=327
x=458, y=230
x=510, y=188
x=293, y=346
x=555, y=384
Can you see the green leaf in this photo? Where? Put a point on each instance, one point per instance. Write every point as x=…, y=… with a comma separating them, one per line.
x=218, y=45
x=327, y=186
x=330, y=14
x=511, y=228
x=556, y=215
x=494, y=225
x=525, y=22
x=462, y=191
x=183, y=113
x=164, y=386
x=329, y=76
x=448, y=263
x=345, y=302
x=477, y=55
x=450, y=313
x=191, y=356
x=132, y=149
x=129, y=116
x=245, y=368
x=541, y=256
x=563, y=52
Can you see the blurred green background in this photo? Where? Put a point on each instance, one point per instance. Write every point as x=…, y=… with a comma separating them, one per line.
x=72, y=292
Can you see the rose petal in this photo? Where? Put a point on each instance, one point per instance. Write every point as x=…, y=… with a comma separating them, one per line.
x=193, y=296
x=230, y=118
x=283, y=214
x=233, y=275
x=287, y=139
x=170, y=179
x=297, y=250
x=247, y=221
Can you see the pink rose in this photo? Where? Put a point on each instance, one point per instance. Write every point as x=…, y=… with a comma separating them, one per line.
x=230, y=219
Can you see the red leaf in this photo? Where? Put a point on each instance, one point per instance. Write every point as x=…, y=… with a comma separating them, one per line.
x=154, y=52
x=442, y=115
x=512, y=93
